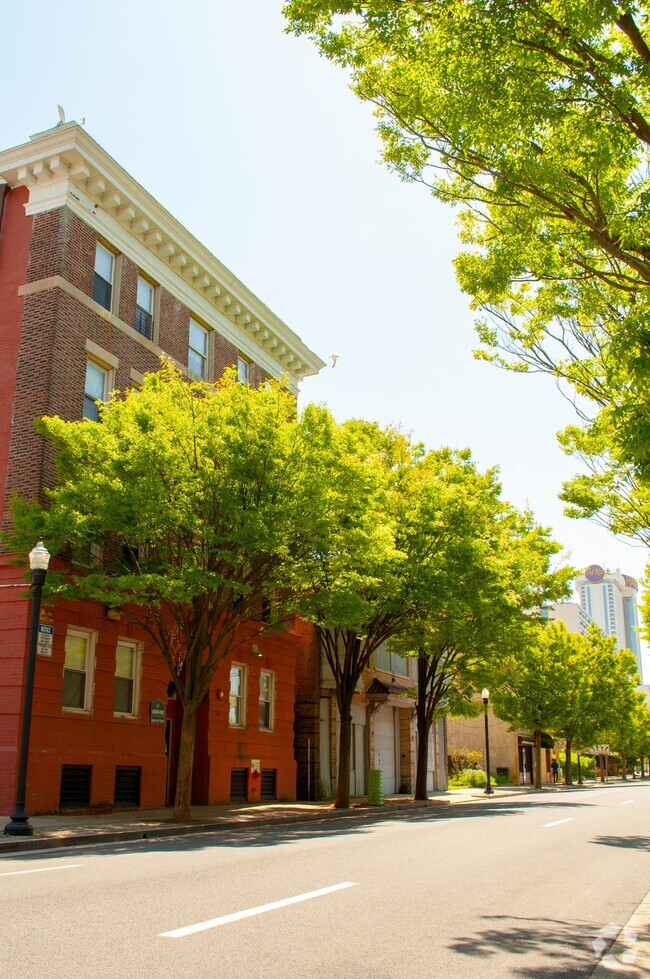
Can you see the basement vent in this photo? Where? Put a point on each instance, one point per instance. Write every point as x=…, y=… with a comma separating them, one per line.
x=268, y=791
x=75, y=786
x=127, y=786
x=238, y=782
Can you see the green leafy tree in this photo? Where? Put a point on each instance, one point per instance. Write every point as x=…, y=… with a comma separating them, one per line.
x=602, y=691
x=351, y=583
x=469, y=604
x=534, y=120
x=532, y=683
x=629, y=732
x=197, y=495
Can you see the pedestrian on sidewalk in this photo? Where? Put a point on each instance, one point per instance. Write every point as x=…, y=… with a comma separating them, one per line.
x=554, y=769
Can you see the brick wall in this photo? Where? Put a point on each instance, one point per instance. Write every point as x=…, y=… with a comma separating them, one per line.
x=15, y=233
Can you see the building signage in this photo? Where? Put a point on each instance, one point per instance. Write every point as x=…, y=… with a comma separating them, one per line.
x=255, y=765
x=45, y=640
x=157, y=711
x=600, y=749
x=594, y=573
x=630, y=581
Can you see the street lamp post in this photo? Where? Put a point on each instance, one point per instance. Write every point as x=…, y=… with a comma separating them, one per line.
x=485, y=696
x=19, y=824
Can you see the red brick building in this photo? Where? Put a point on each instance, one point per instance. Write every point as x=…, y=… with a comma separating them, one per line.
x=96, y=281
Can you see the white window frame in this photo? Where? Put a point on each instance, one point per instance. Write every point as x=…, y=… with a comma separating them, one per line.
x=241, y=697
x=205, y=357
x=89, y=690
x=271, y=701
x=99, y=246
x=243, y=369
x=137, y=671
x=106, y=371
x=151, y=312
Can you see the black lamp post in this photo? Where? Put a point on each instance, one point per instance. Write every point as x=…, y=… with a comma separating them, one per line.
x=19, y=824
x=485, y=696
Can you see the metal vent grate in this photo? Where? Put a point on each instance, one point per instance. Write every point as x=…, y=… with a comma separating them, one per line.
x=238, y=784
x=268, y=792
x=75, y=786
x=127, y=786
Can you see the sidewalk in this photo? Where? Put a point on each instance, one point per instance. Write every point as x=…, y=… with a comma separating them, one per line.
x=77, y=829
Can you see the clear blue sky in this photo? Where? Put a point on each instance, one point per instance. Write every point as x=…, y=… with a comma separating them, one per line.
x=259, y=148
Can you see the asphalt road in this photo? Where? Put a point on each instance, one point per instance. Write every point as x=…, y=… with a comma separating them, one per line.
x=520, y=887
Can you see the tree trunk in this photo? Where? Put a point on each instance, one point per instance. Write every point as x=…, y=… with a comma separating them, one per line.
x=183, y=804
x=641, y=761
x=423, y=732
x=342, y=800
x=567, y=766
x=624, y=767
x=538, y=759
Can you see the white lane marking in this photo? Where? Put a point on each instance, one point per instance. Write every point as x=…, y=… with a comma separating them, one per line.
x=557, y=822
x=238, y=915
x=39, y=870
x=628, y=802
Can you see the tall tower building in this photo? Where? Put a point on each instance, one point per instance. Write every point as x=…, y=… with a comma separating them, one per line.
x=609, y=598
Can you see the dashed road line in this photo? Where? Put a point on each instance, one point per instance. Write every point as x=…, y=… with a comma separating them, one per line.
x=569, y=819
x=39, y=870
x=250, y=912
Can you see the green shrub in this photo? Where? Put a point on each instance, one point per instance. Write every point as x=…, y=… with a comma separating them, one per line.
x=460, y=759
x=501, y=780
x=471, y=778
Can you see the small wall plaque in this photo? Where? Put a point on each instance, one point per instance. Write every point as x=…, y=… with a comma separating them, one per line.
x=157, y=711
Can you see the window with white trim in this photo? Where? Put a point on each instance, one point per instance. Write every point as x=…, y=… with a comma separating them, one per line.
x=237, y=714
x=144, y=308
x=126, y=699
x=267, y=696
x=96, y=389
x=78, y=670
x=243, y=370
x=103, y=277
x=197, y=357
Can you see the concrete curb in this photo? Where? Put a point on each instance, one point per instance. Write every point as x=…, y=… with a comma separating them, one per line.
x=629, y=954
x=157, y=831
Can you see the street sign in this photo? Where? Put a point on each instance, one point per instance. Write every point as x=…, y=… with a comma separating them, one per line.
x=45, y=640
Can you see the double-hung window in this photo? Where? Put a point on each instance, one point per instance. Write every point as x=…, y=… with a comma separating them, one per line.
x=96, y=389
x=237, y=713
x=127, y=675
x=144, y=308
x=266, y=700
x=243, y=370
x=103, y=278
x=78, y=670
x=197, y=357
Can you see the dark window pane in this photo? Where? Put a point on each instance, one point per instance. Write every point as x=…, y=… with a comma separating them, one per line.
x=91, y=409
x=74, y=689
x=102, y=291
x=144, y=323
x=123, y=700
x=265, y=714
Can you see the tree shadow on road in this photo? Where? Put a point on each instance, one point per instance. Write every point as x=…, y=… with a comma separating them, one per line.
x=564, y=948
x=626, y=842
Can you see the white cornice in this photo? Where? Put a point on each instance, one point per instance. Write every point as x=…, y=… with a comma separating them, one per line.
x=65, y=165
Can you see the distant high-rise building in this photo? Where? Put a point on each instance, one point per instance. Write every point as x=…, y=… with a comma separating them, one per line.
x=609, y=598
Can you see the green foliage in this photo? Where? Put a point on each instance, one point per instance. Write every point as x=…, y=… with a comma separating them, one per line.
x=472, y=778
x=533, y=119
x=197, y=497
x=463, y=758
x=570, y=685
